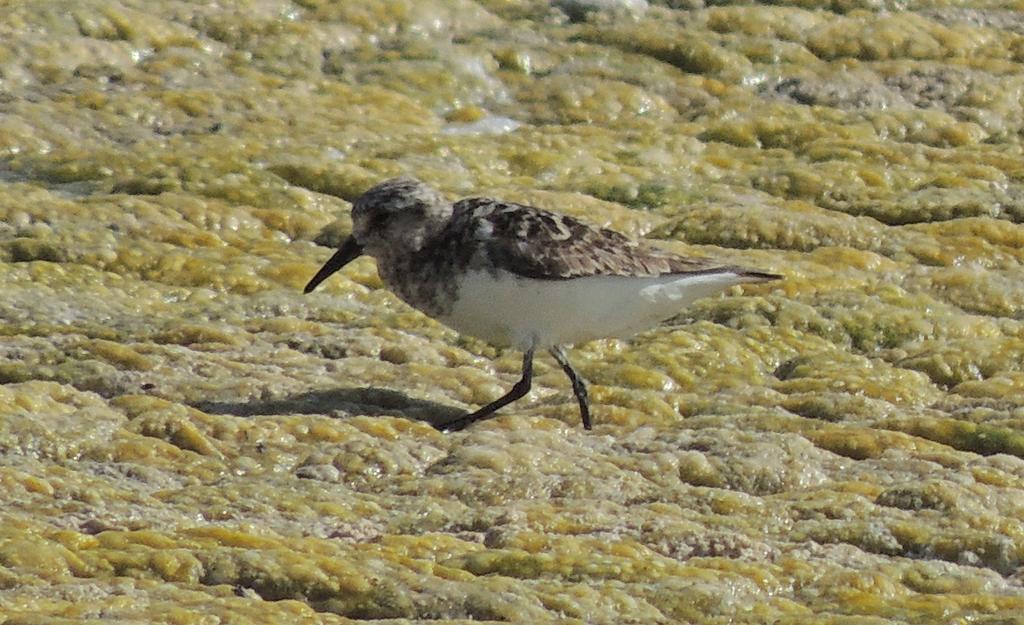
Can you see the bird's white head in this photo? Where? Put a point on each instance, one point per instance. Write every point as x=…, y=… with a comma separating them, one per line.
x=398, y=215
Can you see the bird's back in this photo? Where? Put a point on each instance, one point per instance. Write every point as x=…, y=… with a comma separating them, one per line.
x=538, y=244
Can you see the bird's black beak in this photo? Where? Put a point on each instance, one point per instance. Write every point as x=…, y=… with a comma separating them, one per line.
x=349, y=251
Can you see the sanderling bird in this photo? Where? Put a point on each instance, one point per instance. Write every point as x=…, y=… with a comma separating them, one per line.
x=520, y=276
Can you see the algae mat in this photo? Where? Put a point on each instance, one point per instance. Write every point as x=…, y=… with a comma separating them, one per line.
x=185, y=438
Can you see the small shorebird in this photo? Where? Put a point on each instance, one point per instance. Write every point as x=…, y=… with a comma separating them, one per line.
x=520, y=276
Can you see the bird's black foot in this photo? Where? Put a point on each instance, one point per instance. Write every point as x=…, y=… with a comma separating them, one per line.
x=579, y=387
x=522, y=387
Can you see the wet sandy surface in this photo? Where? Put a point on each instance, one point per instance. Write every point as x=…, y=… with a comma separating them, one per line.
x=186, y=438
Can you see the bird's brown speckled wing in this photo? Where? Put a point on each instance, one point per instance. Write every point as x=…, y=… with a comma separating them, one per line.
x=535, y=243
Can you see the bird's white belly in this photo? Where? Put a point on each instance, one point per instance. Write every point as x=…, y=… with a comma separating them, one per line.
x=506, y=309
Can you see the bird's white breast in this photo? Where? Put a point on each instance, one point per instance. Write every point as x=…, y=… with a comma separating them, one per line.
x=507, y=309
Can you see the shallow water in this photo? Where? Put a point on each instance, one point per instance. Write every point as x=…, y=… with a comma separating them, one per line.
x=185, y=437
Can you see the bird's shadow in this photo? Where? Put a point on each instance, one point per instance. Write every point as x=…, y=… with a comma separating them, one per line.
x=370, y=400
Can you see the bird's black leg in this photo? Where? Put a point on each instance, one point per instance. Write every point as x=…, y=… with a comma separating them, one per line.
x=522, y=387
x=579, y=387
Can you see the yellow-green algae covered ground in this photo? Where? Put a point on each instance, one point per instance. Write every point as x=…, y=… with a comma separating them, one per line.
x=186, y=438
